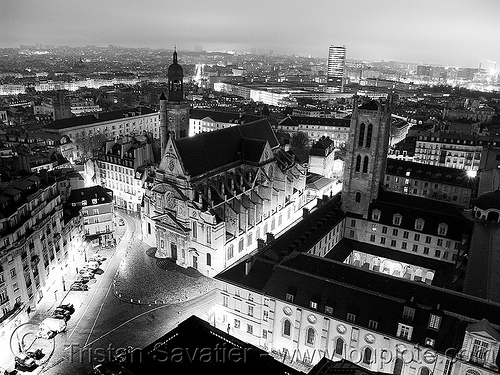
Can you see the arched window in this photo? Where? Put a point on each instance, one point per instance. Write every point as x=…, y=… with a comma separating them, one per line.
x=339, y=346
x=358, y=163
x=365, y=165
x=310, y=336
x=358, y=197
x=361, y=134
x=367, y=355
x=369, y=136
x=398, y=366
x=424, y=371
x=286, y=327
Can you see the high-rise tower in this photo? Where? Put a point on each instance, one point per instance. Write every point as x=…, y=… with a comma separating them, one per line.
x=335, y=70
x=367, y=148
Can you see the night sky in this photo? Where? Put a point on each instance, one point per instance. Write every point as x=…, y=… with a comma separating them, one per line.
x=450, y=32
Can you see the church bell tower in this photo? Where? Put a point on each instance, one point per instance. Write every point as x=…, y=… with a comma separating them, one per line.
x=367, y=147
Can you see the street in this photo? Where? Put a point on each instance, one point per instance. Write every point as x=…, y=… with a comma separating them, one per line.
x=103, y=325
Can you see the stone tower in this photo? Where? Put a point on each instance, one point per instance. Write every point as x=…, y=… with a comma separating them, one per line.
x=364, y=167
x=163, y=123
x=177, y=107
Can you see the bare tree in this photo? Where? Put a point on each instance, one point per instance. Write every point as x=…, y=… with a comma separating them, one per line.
x=299, y=140
x=86, y=144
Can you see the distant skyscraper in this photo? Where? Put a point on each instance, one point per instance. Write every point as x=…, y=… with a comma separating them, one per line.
x=335, y=73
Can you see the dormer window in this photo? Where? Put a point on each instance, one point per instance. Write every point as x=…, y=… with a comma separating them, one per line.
x=408, y=313
x=94, y=201
x=434, y=321
x=313, y=305
x=290, y=294
x=376, y=215
x=419, y=224
x=84, y=202
x=443, y=229
x=396, y=219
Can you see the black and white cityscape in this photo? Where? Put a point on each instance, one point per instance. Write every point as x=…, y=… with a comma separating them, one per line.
x=243, y=188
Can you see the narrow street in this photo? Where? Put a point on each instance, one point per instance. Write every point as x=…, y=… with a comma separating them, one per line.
x=103, y=324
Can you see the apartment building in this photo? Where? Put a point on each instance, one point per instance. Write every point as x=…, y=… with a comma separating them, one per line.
x=434, y=182
x=123, y=167
x=95, y=205
x=33, y=242
x=202, y=120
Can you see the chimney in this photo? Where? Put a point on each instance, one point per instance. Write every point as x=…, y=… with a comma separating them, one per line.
x=248, y=265
x=260, y=243
x=269, y=237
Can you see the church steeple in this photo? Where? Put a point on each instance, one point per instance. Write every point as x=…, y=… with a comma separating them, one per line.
x=175, y=78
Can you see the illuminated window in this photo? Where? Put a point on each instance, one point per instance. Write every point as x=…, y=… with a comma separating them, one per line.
x=286, y=327
x=434, y=321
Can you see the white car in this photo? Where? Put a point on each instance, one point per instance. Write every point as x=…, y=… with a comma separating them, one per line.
x=97, y=258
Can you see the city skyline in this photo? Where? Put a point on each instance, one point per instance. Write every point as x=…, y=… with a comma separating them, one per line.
x=444, y=33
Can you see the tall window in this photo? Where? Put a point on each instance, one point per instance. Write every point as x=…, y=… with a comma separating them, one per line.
x=434, y=321
x=479, y=350
x=230, y=251
x=358, y=163
x=424, y=371
x=361, y=134
x=398, y=366
x=310, y=336
x=367, y=356
x=365, y=165
x=358, y=197
x=286, y=327
x=339, y=346
x=369, y=136
x=195, y=227
x=209, y=260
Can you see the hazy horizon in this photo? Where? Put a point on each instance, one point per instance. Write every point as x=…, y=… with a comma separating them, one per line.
x=458, y=33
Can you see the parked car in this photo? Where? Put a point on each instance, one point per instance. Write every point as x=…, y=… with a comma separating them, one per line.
x=10, y=371
x=97, y=258
x=53, y=324
x=24, y=361
x=61, y=314
x=37, y=354
x=86, y=274
x=79, y=286
x=68, y=307
x=92, y=265
x=46, y=334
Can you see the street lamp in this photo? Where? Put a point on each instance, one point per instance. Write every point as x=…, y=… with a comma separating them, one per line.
x=64, y=284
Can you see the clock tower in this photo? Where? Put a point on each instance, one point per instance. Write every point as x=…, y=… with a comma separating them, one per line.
x=177, y=109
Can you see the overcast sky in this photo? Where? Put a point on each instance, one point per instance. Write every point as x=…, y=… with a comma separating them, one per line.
x=451, y=32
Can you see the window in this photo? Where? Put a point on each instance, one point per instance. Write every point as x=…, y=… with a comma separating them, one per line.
x=367, y=356
x=408, y=313
x=286, y=327
x=353, y=223
x=434, y=321
x=236, y=323
x=209, y=235
x=419, y=224
x=195, y=229
x=479, y=350
x=264, y=334
x=230, y=251
x=398, y=366
x=365, y=165
x=376, y=215
x=358, y=163
x=250, y=310
x=265, y=315
x=250, y=329
x=404, y=245
x=384, y=230
x=428, y=239
x=416, y=237
x=310, y=336
x=339, y=346
x=437, y=254
x=406, y=234
x=289, y=297
x=429, y=342
x=372, y=324
x=351, y=233
x=313, y=305
x=395, y=232
x=328, y=310
x=361, y=135
x=13, y=273
x=393, y=243
x=209, y=259
x=351, y=317
x=369, y=136
x=426, y=250
x=240, y=245
x=358, y=197
x=225, y=301
x=396, y=219
x=404, y=331
x=372, y=238
x=382, y=240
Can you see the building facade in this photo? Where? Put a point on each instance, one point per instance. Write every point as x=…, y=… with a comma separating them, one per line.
x=216, y=193
x=335, y=68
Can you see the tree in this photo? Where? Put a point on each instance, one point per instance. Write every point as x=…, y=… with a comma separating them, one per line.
x=86, y=144
x=299, y=140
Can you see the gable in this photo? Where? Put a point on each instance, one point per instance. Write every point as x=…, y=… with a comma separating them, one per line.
x=170, y=161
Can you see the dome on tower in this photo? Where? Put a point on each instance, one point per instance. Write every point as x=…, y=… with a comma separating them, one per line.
x=490, y=200
x=175, y=70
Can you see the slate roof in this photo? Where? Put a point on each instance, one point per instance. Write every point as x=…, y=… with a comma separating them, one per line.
x=219, y=116
x=412, y=207
x=368, y=295
x=323, y=121
x=372, y=105
x=428, y=172
x=89, y=193
x=95, y=119
x=223, y=148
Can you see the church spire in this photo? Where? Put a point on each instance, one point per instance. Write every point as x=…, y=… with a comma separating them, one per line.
x=175, y=55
